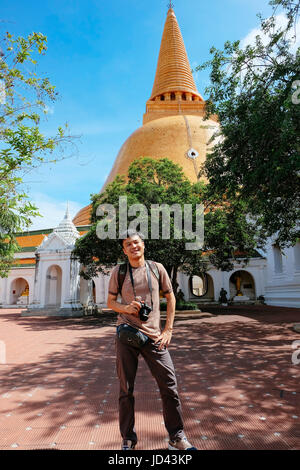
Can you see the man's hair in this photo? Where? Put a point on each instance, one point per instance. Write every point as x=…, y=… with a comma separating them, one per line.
x=128, y=234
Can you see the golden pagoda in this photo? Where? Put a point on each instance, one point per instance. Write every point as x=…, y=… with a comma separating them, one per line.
x=173, y=124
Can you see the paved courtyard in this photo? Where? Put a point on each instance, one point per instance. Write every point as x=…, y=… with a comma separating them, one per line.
x=238, y=384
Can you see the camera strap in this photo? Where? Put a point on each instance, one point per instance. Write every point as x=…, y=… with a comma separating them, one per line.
x=148, y=278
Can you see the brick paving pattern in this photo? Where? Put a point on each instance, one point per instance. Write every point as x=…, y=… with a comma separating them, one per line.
x=238, y=385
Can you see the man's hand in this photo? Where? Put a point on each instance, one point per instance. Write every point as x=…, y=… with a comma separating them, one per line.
x=133, y=308
x=164, y=339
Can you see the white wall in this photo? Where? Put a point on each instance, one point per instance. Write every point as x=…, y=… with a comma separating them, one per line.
x=283, y=285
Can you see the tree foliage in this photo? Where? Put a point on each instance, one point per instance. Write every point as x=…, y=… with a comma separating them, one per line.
x=228, y=235
x=254, y=92
x=23, y=102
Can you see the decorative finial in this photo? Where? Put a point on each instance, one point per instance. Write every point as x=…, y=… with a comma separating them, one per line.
x=67, y=214
x=170, y=5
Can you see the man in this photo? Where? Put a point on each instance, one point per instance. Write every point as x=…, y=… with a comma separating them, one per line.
x=137, y=288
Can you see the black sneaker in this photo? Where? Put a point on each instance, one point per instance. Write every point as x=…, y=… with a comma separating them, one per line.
x=127, y=444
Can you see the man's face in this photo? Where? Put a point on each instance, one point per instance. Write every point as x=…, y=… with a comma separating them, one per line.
x=133, y=247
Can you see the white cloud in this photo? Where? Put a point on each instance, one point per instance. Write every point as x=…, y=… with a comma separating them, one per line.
x=281, y=22
x=53, y=211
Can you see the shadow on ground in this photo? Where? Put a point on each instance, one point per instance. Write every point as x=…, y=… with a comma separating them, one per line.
x=238, y=385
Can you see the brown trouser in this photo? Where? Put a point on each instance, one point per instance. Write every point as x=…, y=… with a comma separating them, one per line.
x=162, y=369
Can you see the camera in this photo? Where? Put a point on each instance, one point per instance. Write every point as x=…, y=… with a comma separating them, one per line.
x=144, y=311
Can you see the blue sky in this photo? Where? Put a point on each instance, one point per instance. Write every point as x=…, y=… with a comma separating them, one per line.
x=102, y=59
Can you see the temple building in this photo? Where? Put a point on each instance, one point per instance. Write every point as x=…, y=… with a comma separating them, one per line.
x=46, y=276
x=173, y=124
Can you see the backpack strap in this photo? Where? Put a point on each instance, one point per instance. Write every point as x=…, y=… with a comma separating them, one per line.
x=123, y=270
x=153, y=266
x=121, y=275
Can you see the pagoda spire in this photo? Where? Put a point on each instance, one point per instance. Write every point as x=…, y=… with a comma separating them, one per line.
x=173, y=73
x=67, y=214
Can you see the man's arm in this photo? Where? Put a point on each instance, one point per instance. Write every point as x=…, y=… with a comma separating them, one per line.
x=165, y=338
x=132, y=309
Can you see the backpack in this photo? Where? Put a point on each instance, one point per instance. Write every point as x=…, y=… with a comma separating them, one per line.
x=123, y=270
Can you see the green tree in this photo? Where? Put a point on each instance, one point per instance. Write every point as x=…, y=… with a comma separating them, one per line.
x=23, y=101
x=227, y=233
x=254, y=92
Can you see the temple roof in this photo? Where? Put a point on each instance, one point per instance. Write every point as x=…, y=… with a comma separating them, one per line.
x=31, y=241
x=173, y=71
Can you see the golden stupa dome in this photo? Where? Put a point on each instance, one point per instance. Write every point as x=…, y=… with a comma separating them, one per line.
x=173, y=124
x=184, y=139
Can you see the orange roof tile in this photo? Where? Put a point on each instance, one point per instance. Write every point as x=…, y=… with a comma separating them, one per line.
x=83, y=216
x=23, y=261
x=33, y=240
x=30, y=240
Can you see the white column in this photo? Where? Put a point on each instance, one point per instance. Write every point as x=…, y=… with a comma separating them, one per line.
x=6, y=291
x=183, y=281
x=2, y=291
x=75, y=283
x=42, y=285
x=100, y=289
x=70, y=284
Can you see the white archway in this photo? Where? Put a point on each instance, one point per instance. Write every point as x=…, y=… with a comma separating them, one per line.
x=19, y=288
x=53, y=286
x=242, y=283
x=201, y=287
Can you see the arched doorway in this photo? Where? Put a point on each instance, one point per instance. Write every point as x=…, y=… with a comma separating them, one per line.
x=53, y=287
x=201, y=287
x=19, y=291
x=241, y=283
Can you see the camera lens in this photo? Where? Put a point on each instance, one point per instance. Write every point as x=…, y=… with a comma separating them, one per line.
x=144, y=312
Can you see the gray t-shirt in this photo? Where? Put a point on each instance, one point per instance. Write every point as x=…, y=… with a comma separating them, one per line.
x=152, y=327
